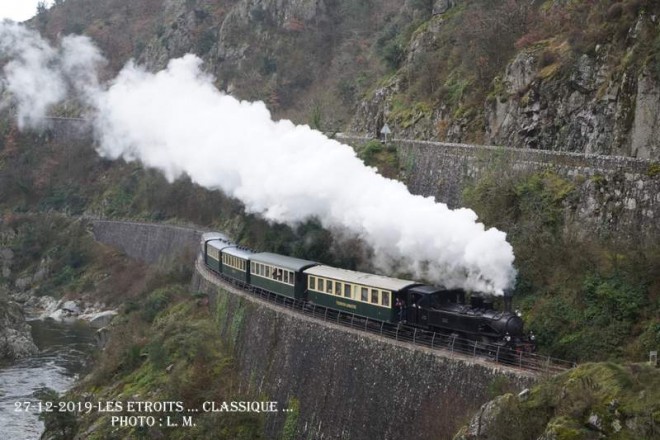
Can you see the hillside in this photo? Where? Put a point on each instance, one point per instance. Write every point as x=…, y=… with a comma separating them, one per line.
x=559, y=75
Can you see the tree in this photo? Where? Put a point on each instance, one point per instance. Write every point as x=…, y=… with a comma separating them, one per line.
x=41, y=11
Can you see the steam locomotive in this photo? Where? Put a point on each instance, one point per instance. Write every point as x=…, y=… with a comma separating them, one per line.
x=365, y=295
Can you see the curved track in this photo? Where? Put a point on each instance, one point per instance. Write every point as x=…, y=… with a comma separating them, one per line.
x=445, y=344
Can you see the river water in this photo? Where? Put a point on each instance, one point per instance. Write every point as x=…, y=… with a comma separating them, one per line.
x=64, y=351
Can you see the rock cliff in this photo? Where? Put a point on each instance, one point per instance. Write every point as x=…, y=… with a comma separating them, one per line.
x=546, y=75
x=15, y=334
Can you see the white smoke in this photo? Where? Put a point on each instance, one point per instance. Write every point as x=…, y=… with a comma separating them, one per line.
x=178, y=122
x=39, y=76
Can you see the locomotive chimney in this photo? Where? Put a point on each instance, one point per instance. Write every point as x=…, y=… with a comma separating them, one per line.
x=508, y=297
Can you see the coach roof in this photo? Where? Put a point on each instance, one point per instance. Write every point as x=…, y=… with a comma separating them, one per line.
x=239, y=252
x=289, y=263
x=365, y=279
x=220, y=244
x=207, y=236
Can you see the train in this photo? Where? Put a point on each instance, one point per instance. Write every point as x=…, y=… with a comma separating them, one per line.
x=390, y=300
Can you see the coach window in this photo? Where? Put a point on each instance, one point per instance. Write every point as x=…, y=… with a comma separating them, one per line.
x=385, y=298
x=365, y=294
x=337, y=288
x=321, y=286
x=328, y=286
x=291, y=278
x=287, y=277
x=347, y=290
x=374, y=296
x=312, y=283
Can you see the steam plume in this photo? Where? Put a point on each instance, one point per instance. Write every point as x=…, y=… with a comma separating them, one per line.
x=176, y=121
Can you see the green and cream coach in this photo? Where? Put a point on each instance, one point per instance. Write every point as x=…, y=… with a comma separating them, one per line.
x=364, y=294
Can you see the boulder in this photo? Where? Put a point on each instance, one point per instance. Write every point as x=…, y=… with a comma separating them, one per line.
x=101, y=319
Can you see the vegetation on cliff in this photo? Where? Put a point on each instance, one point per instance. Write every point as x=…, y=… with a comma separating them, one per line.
x=586, y=297
x=454, y=70
x=164, y=348
x=602, y=400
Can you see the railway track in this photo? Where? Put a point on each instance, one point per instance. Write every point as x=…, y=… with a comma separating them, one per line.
x=449, y=344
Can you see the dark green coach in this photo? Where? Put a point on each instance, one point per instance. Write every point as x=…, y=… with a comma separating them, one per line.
x=279, y=274
x=235, y=263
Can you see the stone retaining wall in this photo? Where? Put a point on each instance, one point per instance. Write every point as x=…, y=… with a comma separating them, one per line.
x=613, y=194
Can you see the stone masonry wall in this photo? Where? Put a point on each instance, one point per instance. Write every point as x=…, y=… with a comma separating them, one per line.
x=614, y=194
x=148, y=242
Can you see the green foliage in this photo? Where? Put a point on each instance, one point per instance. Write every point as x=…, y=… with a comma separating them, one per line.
x=369, y=151
x=390, y=45
x=180, y=356
x=376, y=154
x=424, y=6
x=623, y=397
x=158, y=300
x=205, y=42
x=316, y=117
x=500, y=385
x=542, y=195
x=268, y=65
x=584, y=299
x=454, y=88
x=131, y=357
x=653, y=170
x=61, y=425
x=291, y=422
x=612, y=298
x=592, y=323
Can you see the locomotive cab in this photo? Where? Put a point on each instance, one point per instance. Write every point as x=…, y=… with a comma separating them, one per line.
x=423, y=304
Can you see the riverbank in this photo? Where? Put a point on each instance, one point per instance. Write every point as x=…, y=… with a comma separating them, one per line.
x=64, y=352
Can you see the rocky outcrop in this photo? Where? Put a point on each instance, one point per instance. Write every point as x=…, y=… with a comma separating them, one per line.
x=592, y=401
x=592, y=104
x=549, y=96
x=585, y=108
x=15, y=334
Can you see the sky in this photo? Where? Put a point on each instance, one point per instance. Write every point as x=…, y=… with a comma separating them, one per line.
x=19, y=10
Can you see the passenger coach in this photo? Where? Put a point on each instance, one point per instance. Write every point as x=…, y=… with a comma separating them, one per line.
x=213, y=243
x=364, y=294
x=279, y=274
x=236, y=262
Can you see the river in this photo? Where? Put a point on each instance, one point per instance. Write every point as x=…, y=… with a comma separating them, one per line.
x=64, y=350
